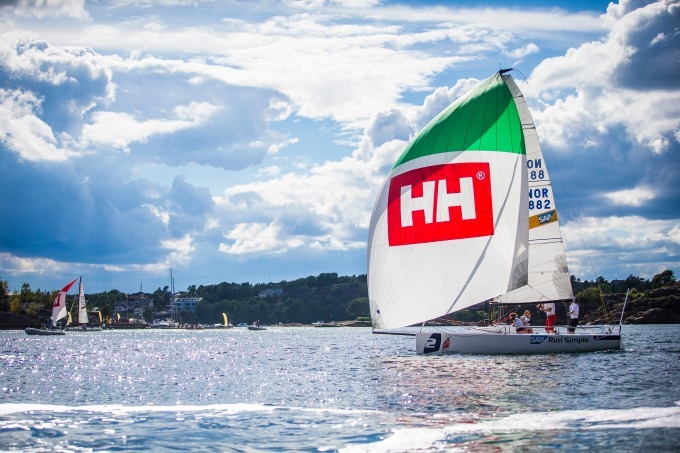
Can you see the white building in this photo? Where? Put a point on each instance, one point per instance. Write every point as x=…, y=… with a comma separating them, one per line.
x=183, y=303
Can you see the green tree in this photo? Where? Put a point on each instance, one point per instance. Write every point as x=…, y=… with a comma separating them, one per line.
x=591, y=294
x=15, y=304
x=148, y=314
x=663, y=278
x=636, y=282
x=358, y=308
x=204, y=313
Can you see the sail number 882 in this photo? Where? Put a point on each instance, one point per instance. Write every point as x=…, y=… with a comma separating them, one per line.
x=539, y=204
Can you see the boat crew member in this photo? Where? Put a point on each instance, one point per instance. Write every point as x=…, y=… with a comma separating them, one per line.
x=526, y=321
x=517, y=323
x=573, y=317
x=550, y=316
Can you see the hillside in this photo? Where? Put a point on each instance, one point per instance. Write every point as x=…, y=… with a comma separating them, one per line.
x=656, y=306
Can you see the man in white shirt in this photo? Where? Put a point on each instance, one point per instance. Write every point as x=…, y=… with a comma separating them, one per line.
x=573, y=317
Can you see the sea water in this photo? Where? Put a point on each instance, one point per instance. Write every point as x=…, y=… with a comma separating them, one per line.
x=330, y=389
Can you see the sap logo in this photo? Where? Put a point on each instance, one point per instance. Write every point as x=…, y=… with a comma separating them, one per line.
x=432, y=344
x=537, y=339
x=545, y=218
x=440, y=203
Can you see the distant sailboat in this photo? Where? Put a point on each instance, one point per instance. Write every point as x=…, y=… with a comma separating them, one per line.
x=467, y=215
x=226, y=324
x=83, y=319
x=58, y=312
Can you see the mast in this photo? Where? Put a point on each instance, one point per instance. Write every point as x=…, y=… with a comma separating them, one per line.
x=174, y=315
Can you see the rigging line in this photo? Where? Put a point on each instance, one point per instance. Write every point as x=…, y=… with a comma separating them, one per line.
x=559, y=174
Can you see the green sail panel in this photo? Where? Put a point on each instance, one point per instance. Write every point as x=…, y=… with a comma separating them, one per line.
x=486, y=119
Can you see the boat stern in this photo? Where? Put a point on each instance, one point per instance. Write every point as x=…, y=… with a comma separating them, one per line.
x=432, y=342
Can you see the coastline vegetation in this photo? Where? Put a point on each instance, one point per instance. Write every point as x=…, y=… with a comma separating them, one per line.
x=326, y=297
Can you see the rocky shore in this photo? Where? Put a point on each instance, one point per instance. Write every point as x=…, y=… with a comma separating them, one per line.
x=656, y=306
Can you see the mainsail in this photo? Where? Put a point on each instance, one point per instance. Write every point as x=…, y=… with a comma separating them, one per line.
x=548, y=277
x=59, y=305
x=82, y=306
x=449, y=228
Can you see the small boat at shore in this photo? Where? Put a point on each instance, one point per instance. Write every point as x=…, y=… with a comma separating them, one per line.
x=256, y=326
x=325, y=324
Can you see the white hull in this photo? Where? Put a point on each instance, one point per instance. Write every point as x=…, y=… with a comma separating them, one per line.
x=502, y=341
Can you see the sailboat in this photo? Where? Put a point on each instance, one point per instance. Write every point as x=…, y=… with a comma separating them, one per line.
x=58, y=313
x=226, y=324
x=467, y=215
x=83, y=319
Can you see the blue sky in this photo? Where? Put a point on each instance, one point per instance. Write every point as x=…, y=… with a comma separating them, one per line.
x=246, y=141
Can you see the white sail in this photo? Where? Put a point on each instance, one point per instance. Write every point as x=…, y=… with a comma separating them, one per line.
x=548, y=275
x=448, y=229
x=467, y=214
x=82, y=306
x=59, y=304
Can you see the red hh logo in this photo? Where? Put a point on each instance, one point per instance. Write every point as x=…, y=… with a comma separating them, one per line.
x=440, y=203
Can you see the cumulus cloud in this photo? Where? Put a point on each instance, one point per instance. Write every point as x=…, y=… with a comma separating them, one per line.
x=47, y=91
x=522, y=52
x=45, y=8
x=627, y=243
x=328, y=206
x=118, y=129
x=23, y=132
x=629, y=79
x=630, y=197
x=258, y=238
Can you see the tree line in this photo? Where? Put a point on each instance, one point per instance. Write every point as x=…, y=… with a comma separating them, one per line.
x=327, y=297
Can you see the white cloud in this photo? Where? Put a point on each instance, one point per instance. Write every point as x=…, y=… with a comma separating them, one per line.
x=522, y=52
x=626, y=243
x=23, y=132
x=328, y=206
x=180, y=249
x=605, y=97
x=630, y=197
x=323, y=65
x=259, y=238
x=119, y=129
x=47, y=8
x=16, y=265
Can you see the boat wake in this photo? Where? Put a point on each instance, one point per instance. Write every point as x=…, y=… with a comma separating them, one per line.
x=428, y=439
